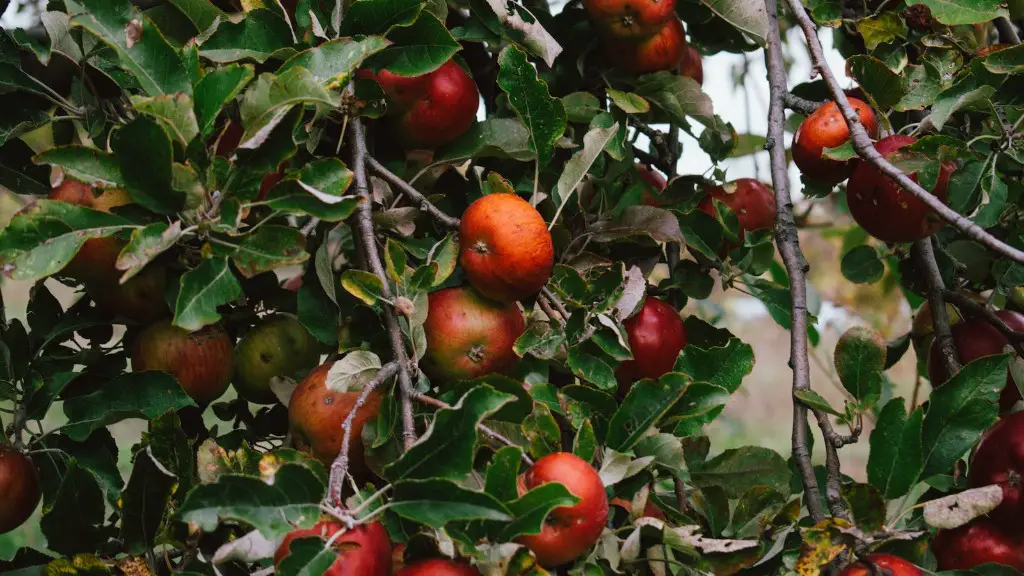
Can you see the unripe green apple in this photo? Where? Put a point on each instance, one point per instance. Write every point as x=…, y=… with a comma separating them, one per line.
x=279, y=346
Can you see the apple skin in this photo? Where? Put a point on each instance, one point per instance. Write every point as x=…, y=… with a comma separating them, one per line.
x=279, y=346
x=826, y=128
x=752, y=201
x=202, y=361
x=999, y=459
x=883, y=209
x=139, y=300
x=886, y=563
x=363, y=551
x=95, y=259
x=569, y=531
x=505, y=247
x=691, y=65
x=977, y=543
x=315, y=416
x=438, y=567
x=656, y=181
x=662, y=51
x=650, y=510
x=469, y=336
x=629, y=19
x=19, y=483
x=975, y=338
x=656, y=336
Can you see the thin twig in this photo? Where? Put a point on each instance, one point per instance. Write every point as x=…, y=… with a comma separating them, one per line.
x=1007, y=33
x=550, y=312
x=801, y=105
x=866, y=149
x=339, y=468
x=413, y=194
x=431, y=401
x=555, y=301
x=924, y=257
x=979, y=310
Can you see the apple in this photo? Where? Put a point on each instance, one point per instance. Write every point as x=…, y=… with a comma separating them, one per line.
x=650, y=510
x=139, y=300
x=362, y=551
x=95, y=259
x=505, y=247
x=229, y=139
x=662, y=51
x=438, y=567
x=19, y=483
x=977, y=543
x=630, y=19
x=568, y=531
x=691, y=65
x=656, y=183
x=432, y=109
x=315, y=416
x=752, y=201
x=656, y=336
x=278, y=346
x=826, y=128
x=884, y=209
x=999, y=459
x=887, y=564
x=973, y=339
x=201, y=361
x=469, y=336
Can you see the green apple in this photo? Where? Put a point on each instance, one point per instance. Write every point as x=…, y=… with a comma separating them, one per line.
x=279, y=346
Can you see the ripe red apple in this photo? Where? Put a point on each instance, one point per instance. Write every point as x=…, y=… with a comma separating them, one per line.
x=999, y=459
x=362, y=551
x=656, y=181
x=19, y=484
x=883, y=564
x=139, y=300
x=630, y=19
x=229, y=139
x=883, y=208
x=650, y=510
x=432, y=109
x=661, y=51
x=315, y=416
x=505, y=247
x=569, y=531
x=691, y=65
x=95, y=259
x=469, y=336
x=279, y=346
x=438, y=567
x=656, y=336
x=202, y=362
x=975, y=338
x=977, y=543
x=752, y=201
x=826, y=128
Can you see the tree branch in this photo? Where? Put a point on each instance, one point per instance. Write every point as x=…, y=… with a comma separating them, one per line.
x=866, y=149
x=979, y=310
x=431, y=401
x=1007, y=33
x=413, y=194
x=365, y=221
x=924, y=256
x=801, y=105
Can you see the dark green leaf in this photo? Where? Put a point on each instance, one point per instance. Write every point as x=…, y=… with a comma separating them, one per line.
x=256, y=37
x=209, y=285
x=331, y=63
x=72, y=519
x=418, y=49
x=144, y=501
x=133, y=395
x=379, y=16
x=860, y=361
x=502, y=473
x=677, y=96
x=700, y=405
x=862, y=265
x=953, y=12
x=750, y=17
x=543, y=115
x=966, y=92
x=201, y=12
x=591, y=369
x=532, y=509
x=738, y=470
x=877, y=80
x=815, y=401
x=216, y=89
x=647, y=401
x=269, y=247
x=436, y=502
x=145, y=156
x=724, y=366
x=585, y=443
x=85, y=164
x=501, y=137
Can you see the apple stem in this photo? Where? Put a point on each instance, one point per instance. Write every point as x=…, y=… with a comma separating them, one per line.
x=413, y=194
x=801, y=105
x=924, y=255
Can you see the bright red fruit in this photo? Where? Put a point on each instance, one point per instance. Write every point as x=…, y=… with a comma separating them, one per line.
x=691, y=65
x=469, y=336
x=975, y=338
x=999, y=459
x=977, y=543
x=569, y=531
x=662, y=51
x=438, y=567
x=19, y=484
x=826, y=128
x=883, y=208
x=505, y=247
x=632, y=19
x=883, y=564
x=656, y=335
x=202, y=362
x=363, y=551
x=752, y=201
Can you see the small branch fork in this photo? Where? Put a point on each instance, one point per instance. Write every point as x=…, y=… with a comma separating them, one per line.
x=924, y=256
x=866, y=150
x=413, y=194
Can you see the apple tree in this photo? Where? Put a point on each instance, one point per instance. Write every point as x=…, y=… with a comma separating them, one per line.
x=396, y=288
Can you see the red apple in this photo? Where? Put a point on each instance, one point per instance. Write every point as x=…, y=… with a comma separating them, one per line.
x=887, y=564
x=19, y=484
x=691, y=65
x=826, y=128
x=363, y=551
x=883, y=208
x=469, y=336
x=569, y=531
x=752, y=201
x=95, y=259
x=438, y=567
x=229, y=139
x=999, y=459
x=656, y=336
x=139, y=300
x=650, y=510
x=977, y=543
x=202, y=362
x=630, y=19
x=662, y=51
x=656, y=182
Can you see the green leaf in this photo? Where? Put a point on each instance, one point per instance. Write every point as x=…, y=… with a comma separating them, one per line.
x=333, y=62
x=843, y=152
x=540, y=339
x=153, y=481
x=577, y=167
x=365, y=286
x=514, y=411
x=451, y=434
x=1008, y=61
x=145, y=245
x=724, y=366
x=581, y=107
x=541, y=429
x=896, y=458
x=256, y=37
x=502, y=473
x=750, y=17
x=378, y=17
x=41, y=398
x=200, y=12
x=876, y=79
x=43, y=237
x=585, y=444
x=590, y=368
x=269, y=99
x=966, y=92
x=494, y=137
x=866, y=504
x=175, y=111
x=269, y=247
x=815, y=401
x=418, y=49
x=677, y=96
x=293, y=501
x=132, y=395
x=209, y=285
x=307, y=556
x=660, y=224
x=216, y=89
x=531, y=510
x=84, y=164
x=748, y=144
x=700, y=405
x=543, y=115
x=445, y=254
x=628, y=102
x=737, y=471
x=959, y=412
x=755, y=510
x=73, y=517
x=862, y=265
x=647, y=401
x=860, y=361
x=145, y=155
x=140, y=46
x=956, y=12
x=881, y=29
x=435, y=502
x=516, y=23
x=921, y=85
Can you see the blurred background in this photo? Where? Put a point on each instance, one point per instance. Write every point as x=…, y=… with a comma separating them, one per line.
x=760, y=413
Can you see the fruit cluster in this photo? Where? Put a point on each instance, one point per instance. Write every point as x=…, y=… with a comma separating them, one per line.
x=644, y=36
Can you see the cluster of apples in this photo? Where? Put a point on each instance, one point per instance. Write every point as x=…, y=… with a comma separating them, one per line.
x=644, y=36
